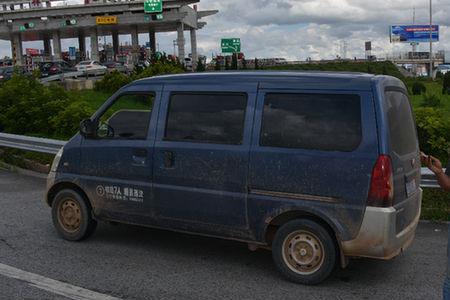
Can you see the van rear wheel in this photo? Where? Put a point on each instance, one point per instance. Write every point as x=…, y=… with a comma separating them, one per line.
x=304, y=252
x=72, y=216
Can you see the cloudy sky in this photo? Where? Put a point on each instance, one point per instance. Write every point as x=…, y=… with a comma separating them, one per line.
x=297, y=29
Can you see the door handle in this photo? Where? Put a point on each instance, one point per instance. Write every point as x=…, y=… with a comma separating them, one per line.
x=140, y=157
x=140, y=152
x=169, y=159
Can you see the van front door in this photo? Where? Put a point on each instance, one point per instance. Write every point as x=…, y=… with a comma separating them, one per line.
x=116, y=164
x=201, y=158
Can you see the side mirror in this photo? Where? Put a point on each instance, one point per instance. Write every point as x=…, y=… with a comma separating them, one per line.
x=87, y=128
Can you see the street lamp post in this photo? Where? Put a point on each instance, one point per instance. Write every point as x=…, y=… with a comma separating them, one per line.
x=431, y=38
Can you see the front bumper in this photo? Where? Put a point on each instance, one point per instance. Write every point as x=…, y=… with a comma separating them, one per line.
x=377, y=237
x=51, y=178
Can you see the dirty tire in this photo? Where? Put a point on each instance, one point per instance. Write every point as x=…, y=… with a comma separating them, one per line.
x=304, y=252
x=72, y=216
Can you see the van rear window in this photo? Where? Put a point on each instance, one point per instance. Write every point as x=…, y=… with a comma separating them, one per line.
x=402, y=128
x=327, y=122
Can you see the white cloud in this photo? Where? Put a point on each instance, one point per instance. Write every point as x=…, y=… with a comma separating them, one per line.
x=308, y=28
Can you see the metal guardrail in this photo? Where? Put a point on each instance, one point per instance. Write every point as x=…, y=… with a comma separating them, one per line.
x=30, y=143
x=50, y=146
x=62, y=76
x=429, y=179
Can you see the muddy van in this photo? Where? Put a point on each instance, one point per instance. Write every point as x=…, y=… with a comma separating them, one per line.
x=317, y=167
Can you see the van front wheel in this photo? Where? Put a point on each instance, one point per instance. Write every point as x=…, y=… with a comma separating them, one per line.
x=304, y=252
x=72, y=216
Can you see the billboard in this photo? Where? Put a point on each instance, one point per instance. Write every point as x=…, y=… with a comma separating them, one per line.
x=32, y=52
x=414, y=33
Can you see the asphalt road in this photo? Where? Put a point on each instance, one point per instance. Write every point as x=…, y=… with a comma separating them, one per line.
x=137, y=263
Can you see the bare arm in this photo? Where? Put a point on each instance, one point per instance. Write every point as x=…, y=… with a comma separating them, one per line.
x=436, y=167
x=444, y=181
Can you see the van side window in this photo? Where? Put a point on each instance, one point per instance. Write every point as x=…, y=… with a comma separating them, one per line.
x=128, y=118
x=216, y=118
x=312, y=121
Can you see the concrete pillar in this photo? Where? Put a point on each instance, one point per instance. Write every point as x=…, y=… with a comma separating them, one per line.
x=47, y=47
x=82, y=45
x=94, y=45
x=57, y=55
x=152, y=39
x=115, y=42
x=181, y=42
x=16, y=49
x=21, y=5
x=194, y=48
x=135, y=44
x=4, y=7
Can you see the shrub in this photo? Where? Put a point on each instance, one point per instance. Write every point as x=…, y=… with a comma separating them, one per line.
x=418, y=88
x=112, y=82
x=66, y=122
x=433, y=126
x=160, y=68
x=431, y=100
x=28, y=106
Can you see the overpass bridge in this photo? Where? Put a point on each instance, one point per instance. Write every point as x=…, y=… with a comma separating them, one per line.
x=33, y=20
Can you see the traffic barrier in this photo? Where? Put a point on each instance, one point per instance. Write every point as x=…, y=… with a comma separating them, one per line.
x=50, y=146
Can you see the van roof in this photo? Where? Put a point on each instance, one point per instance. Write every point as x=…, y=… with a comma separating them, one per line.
x=272, y=79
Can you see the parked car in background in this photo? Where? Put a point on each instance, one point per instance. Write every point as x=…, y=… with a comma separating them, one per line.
x=444, y=69
x=188, y=63
x=116, y=66
x=55, y=67
x=91, y=67
x=7, y=72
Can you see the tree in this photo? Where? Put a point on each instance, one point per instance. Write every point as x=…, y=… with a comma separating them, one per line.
x=234, y=62
x=200, y=66
x=227, y=64
x=244, y=64
x=256, y=64
x=217, y=66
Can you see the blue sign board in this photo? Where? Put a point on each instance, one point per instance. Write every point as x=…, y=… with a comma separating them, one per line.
x=414, y=33
x=72, y=53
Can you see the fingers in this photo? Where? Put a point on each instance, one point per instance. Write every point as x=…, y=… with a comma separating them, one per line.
x=423, y=157
x=435, y=160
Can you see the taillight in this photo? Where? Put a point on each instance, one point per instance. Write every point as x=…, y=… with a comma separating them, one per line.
x=381, y=191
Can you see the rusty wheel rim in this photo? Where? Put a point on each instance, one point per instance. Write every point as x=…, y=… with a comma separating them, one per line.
x=69, y=215
x=303, y=252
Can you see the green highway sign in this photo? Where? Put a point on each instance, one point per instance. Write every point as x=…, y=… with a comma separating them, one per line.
x=157, y=17
x=231, y=45
x=153, y=6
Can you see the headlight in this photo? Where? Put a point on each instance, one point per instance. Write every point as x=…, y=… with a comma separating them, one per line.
x=55, y=163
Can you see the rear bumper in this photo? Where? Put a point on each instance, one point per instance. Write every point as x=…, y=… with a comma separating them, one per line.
x=377, y=237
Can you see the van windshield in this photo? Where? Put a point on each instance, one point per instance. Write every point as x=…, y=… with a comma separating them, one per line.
x=403, y=135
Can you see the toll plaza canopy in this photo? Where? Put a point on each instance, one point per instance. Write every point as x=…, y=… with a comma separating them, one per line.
x=31, y=21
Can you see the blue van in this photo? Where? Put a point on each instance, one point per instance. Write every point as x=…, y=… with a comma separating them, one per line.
x=317, y=167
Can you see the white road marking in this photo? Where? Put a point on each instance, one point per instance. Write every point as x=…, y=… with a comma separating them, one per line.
x=53, y=286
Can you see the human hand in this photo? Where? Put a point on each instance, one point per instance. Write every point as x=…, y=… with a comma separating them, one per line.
x=434, y=165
